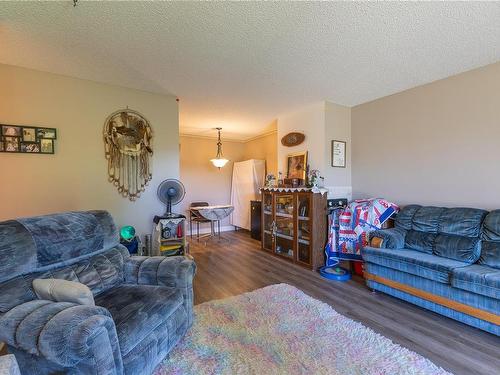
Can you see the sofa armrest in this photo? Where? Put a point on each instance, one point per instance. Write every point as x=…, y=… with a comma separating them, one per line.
x=393, y=238
x=175, y=272
x=64, y=333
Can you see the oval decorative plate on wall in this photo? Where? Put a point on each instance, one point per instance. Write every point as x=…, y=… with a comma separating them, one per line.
x=293, y=139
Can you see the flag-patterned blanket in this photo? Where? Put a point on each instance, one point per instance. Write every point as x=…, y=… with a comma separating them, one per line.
x=349, y=227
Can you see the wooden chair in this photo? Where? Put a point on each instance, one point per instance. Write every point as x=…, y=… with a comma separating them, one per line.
x=194, y=216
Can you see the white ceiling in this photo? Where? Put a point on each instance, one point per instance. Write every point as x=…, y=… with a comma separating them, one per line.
x=239, y=65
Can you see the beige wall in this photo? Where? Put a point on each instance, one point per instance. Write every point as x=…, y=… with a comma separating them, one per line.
x=337, y=127
x=206, y=183
x=309, y=120
x=75, y=177
x=265, y=148
x=202, y=180
x=321, y=123
x=435, y=144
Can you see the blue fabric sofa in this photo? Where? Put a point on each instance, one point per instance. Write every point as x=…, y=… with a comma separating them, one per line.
x=443, y=259
x=143, y=305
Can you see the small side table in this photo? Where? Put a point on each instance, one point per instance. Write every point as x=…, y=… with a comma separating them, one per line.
x=169, y=236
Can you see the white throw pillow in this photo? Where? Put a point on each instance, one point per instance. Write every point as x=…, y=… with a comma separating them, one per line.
x=59, y=290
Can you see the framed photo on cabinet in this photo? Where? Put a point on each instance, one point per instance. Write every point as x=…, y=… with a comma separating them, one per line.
x=338, y=153
x=296, y=165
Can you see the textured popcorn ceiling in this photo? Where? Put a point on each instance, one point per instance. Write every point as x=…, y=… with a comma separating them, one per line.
x=239, y=65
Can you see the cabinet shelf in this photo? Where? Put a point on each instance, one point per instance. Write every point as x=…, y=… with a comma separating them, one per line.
x=285, y=236
x=284, y=254
x=280, y=235
x=280, y=214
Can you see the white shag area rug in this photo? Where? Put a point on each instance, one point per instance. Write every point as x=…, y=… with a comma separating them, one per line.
x=280, y=330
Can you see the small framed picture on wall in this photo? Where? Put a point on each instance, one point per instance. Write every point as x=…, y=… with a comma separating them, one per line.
x=338, y=154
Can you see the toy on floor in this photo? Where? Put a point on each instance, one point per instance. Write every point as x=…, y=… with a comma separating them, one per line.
x=129, y=239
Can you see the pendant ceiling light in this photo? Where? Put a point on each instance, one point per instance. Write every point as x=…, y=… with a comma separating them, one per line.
x=219, y=160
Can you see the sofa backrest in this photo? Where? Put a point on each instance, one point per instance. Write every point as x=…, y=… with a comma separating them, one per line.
x=448, y=232
x=78, y=246
x=490, y=251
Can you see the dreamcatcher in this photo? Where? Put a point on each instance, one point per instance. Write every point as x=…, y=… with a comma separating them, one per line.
x=127, y=144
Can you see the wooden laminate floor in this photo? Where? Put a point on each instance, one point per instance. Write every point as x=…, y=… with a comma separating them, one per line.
x=230, y=268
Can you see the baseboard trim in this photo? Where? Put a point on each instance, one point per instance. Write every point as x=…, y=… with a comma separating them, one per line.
x=454, y=305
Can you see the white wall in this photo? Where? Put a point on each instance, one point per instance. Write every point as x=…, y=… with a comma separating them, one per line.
x=75, y=177
x=337, y=127
x=309, y=120
x=321, y=123
x=437, y=144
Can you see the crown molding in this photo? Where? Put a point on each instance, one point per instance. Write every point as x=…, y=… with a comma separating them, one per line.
x=262, y=135
x=225, y=139
x=210, y=137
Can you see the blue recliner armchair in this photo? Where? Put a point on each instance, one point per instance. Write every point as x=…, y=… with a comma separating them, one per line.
x=143, y=305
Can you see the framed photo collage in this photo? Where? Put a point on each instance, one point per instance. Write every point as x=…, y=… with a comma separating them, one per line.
x=27, y=139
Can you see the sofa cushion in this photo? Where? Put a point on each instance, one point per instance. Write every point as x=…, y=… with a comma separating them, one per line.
x=138, y=309
x=490, y=254
x=404, y=218
x=420, y=241
x=491, y=226
x=460, y=248
x=415, y=262
x=464, y=222
x=53, y=241
x=99, y=273
x=446, y=232
x=426, y=219
x=14, y=292
x=478, y=279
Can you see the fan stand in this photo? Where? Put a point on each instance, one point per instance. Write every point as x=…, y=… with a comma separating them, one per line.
x=168, y=214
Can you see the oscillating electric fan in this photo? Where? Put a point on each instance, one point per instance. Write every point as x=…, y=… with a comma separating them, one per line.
x=171, y=192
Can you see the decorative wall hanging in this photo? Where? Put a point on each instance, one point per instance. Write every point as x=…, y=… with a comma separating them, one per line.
x=127, y=145
x=293, y=139
x=27, y=139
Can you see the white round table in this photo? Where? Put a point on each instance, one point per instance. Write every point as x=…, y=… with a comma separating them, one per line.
x=215, y=214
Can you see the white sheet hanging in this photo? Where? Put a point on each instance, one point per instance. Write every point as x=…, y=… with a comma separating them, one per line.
x=248, y=178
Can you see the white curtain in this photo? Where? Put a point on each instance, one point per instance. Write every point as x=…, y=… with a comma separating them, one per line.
x=248, y=178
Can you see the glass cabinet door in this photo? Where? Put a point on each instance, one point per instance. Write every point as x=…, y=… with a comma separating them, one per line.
x=304, y=228
x=284, y=225
x=267, y=222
